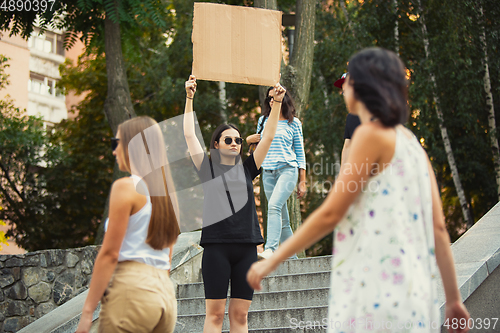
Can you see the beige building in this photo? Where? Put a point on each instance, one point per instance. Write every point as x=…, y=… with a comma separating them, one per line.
x=33, y=73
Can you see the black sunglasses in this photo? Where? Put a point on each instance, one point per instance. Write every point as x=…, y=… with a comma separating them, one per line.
x=114, y=143
x=228, y=140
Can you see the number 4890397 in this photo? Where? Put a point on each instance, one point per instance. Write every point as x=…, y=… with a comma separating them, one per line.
x=478, y=323
x=26, y=5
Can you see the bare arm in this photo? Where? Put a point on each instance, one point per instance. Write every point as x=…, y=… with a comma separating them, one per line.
x=302, y=187
x=454, y=306
x=170, y=255
x=194, y=146
x=120, y=207
x=272, y=124
x=253, y=138
x=366, y=149
x=345, y=150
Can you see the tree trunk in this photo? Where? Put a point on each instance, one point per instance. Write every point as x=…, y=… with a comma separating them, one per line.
x=266, y=4
x=297, y=75
x=223, y=101
x=489, y=102
x=118, y=105
x=297, y=78
x=444, y=132
x=396, y=27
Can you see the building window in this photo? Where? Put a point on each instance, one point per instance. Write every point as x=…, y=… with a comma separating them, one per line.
x=45, y=86
x=60, y=45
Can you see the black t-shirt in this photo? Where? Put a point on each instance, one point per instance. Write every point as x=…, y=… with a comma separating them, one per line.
x=351, y=123
x=229, y=214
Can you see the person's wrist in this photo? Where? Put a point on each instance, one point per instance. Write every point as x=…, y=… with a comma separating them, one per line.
x=86, y=311
x=454, y=300
x=189, y=97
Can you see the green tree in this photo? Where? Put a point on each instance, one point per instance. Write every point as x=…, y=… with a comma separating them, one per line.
x=27, y=159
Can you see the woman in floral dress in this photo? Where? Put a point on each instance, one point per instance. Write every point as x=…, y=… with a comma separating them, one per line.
x=387, y=214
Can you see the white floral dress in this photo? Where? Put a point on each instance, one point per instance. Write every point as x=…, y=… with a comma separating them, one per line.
x=383, y=276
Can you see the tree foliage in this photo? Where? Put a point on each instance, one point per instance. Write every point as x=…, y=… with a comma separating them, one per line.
x=54, y=181
x=158, y=57
x=453, y=29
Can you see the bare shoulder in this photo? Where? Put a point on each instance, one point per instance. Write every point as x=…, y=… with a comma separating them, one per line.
x=123, y=187
x=123, y=183
x=370, y=133
x=376, y=138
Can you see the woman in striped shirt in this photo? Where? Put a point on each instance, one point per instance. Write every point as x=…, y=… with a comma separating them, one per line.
x=284, y=163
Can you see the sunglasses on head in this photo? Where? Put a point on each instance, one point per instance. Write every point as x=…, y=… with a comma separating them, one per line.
x=228, y=140
x=114, y=143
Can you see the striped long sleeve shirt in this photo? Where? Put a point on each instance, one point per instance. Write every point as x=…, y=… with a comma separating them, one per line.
x=287, y=146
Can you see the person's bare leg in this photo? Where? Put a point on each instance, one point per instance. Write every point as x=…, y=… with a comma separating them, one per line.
x=238, y=315
x=214, y=315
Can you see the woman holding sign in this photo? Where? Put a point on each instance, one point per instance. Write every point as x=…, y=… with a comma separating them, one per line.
x=285, y=162
x=231, y=231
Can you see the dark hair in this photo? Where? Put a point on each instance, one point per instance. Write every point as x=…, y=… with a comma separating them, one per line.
x=379, y=81
x=163, y=226
x=287, y=106
x=217, y=134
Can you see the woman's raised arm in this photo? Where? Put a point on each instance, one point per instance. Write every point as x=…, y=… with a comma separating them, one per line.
x=272, y=124
x=194, y=145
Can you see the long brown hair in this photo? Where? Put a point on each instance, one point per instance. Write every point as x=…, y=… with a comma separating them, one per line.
x=163, y=226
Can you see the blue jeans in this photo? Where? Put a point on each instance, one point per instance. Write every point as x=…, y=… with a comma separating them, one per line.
x=278, y=186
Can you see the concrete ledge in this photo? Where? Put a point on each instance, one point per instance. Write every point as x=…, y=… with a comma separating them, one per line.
x=476, y=254
x=65, y=318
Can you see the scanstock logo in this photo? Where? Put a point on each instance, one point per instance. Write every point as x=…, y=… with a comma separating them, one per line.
x=160, y=159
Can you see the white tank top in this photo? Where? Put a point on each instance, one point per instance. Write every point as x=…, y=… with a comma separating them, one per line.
x=134, y=245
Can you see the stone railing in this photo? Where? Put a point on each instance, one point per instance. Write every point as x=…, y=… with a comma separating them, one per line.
x=35, y=283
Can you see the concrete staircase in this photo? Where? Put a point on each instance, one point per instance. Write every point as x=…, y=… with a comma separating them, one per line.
x=295, y=294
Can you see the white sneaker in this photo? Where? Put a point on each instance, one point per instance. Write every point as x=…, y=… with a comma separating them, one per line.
x=266, y=254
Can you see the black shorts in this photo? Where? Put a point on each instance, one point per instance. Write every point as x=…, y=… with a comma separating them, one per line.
x=224, y=262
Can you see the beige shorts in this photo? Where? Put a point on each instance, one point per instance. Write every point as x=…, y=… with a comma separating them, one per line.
x=139, y=298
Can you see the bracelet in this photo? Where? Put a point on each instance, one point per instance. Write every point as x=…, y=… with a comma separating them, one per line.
x=275, y=101
x=189, y=97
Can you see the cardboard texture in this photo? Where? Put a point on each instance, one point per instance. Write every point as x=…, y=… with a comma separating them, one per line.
x=236, y=44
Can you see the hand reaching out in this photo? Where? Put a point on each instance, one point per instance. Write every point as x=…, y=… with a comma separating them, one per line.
x=457, y=311
x=257, y=272
x=253, y=138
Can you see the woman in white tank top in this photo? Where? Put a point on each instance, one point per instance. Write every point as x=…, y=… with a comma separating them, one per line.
x=131, y=271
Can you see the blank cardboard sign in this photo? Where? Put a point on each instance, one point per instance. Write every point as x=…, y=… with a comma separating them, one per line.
x=236, y=44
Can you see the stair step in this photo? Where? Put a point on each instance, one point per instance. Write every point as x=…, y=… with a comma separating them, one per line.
x=269, y=284
x=305, y=265
x=262, y=320
x=264, y=300
x=294, y=329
